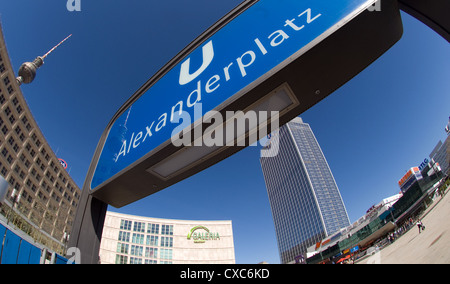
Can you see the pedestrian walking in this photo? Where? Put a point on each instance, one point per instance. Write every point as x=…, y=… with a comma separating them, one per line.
x=420, y=226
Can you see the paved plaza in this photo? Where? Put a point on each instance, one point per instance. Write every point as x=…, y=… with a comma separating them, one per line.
x=431, y=246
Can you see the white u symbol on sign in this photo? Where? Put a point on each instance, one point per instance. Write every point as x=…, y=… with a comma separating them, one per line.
x=208, y=55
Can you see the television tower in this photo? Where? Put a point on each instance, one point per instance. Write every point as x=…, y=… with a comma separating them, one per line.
x=27, y=72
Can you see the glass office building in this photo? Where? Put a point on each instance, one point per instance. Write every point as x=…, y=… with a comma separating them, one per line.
x=441, y=155
x=304, y=198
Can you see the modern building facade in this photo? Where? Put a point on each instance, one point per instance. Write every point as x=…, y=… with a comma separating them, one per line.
x=360, y=225
x=441, y=155
x=129, y=239
x=305, y=200
x=411, y=177
x=48, y=195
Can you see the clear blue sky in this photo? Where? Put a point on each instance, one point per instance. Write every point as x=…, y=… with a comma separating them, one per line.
x=371, y=130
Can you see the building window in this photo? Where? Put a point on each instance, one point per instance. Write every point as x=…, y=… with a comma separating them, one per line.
x=5, y=130
x=138, y=239
x=139, y=227
x=12, y=119
x=25, y=120
x=123, y=248
x=5, y=152
x=167, y=242
x=121, y=259
x=18, y=130
x=152, y=240
x=12, y=180
x=165, y=254
x=27, y=164
x=153, y=229
x=6, y=81
x=167, y=230
x=135, y=260
x=124, y=236
x=151, y=252
x=137, y=250
x=125, y=225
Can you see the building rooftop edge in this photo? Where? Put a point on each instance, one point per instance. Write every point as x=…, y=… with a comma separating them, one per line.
x=117, y=214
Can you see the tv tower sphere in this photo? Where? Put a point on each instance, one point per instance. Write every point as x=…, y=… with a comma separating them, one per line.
x=27, y=72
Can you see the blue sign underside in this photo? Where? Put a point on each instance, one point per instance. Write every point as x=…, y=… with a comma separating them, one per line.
x=259, y=40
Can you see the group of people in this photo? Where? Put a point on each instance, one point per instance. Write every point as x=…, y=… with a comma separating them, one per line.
x=404, y=228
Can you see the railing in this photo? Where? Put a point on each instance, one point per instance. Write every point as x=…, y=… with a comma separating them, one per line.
x=17, y=250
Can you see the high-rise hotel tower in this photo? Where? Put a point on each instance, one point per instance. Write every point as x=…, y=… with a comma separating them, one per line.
x=305, y=200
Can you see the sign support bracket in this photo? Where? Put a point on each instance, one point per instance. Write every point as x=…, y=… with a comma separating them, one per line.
x=88, y=227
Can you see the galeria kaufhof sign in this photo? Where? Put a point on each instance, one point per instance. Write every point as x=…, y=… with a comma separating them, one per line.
x=201, y=234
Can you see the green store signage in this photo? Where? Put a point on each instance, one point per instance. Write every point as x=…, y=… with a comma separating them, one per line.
x=201, y=234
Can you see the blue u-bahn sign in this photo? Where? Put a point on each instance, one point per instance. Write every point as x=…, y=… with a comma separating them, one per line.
x=255, y=44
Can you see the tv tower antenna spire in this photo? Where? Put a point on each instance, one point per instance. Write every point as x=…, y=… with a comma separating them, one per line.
x=27, y=72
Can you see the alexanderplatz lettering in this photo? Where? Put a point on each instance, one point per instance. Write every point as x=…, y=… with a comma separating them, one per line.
x=259, y=67
x=240, y=67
